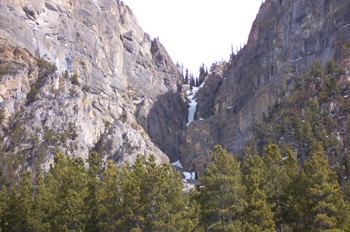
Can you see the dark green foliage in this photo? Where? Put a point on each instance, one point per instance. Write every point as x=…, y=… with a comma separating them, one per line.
x=45, y=67
x=330, y=66
x=329, y=88
x=66, y=75
x=72, y=131
x=32, y=95
x=265, y=194
x=75, y=80
x=2, y=116
x=86, y=88
x=4, y=70
x=221, y=194
x=18, y=136
x=344, y=50
x=316, y=69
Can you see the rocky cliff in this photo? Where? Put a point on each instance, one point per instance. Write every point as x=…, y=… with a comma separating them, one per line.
x=286, y=37
x=128, y=85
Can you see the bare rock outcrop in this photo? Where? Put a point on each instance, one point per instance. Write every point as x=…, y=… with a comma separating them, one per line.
x=124, y=76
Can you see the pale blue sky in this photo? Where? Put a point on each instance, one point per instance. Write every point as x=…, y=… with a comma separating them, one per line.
x=197, y=31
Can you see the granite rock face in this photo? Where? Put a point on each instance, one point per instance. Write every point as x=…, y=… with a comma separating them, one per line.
x=125, y=79
x=286, y=37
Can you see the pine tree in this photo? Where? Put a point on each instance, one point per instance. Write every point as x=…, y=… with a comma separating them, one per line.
x=297, y=125
x=307, y=132
x=42, y=206
x=92, y=208
x=325, y=196
x=221, y=194
x=71, y=192
x=290, y=201
x=3, y=207
x=258, y=215
x=187, y=77
x=273, y=162
x=109, y=199
x=12, y=216
x=166, y=209
x=131, y=219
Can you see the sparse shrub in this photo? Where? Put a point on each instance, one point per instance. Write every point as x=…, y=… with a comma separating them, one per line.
x=4, y=71
x=31, y=114
x=86, y=88
x=72, y=131
x=55, y=91
x=73, y=93
x=107, y=123
x=316, y=69
x=45, y=67
x=341, y=70
x=64, y=138
x=75, y=80
x=330, y=66
x=284, y=89
x=2, y=116
x=48, y=135
x=66, y=75
x=344, y=50
x=32, y=95
x=18, y=136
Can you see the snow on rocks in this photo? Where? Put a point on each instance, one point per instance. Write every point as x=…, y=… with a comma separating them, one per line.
x=193, y=103
x=177, y=164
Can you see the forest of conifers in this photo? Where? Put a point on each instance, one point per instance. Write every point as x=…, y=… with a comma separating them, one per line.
x=265, y=193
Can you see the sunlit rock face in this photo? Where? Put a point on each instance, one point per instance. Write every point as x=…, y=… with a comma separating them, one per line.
x=128, y=84
x=286, y=37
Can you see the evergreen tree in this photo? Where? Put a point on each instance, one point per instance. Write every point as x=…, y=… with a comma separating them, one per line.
x=297, y=125
x=109, y=199
x=25, y=204
x=221, y=194
x=92, y=207
x=272, y=188
x=187, y=77
x=257, y=216
x=3, y=207
x=71, y=193
x=12, y=215
x=131, y=219
x=42, y=206
x=307, y=132
x=326, y=201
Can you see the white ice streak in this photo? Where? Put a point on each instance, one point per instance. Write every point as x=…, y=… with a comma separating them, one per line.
x=344, y=26
x=203, y=83
x=178, y=164
x=291, y=61
x=193, y=104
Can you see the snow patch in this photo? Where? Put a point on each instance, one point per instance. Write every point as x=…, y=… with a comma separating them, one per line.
x=189, y=176
x=193, y=104
x=203, y=83
x=229, y=107
x=291, y=61
x=178, y=164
